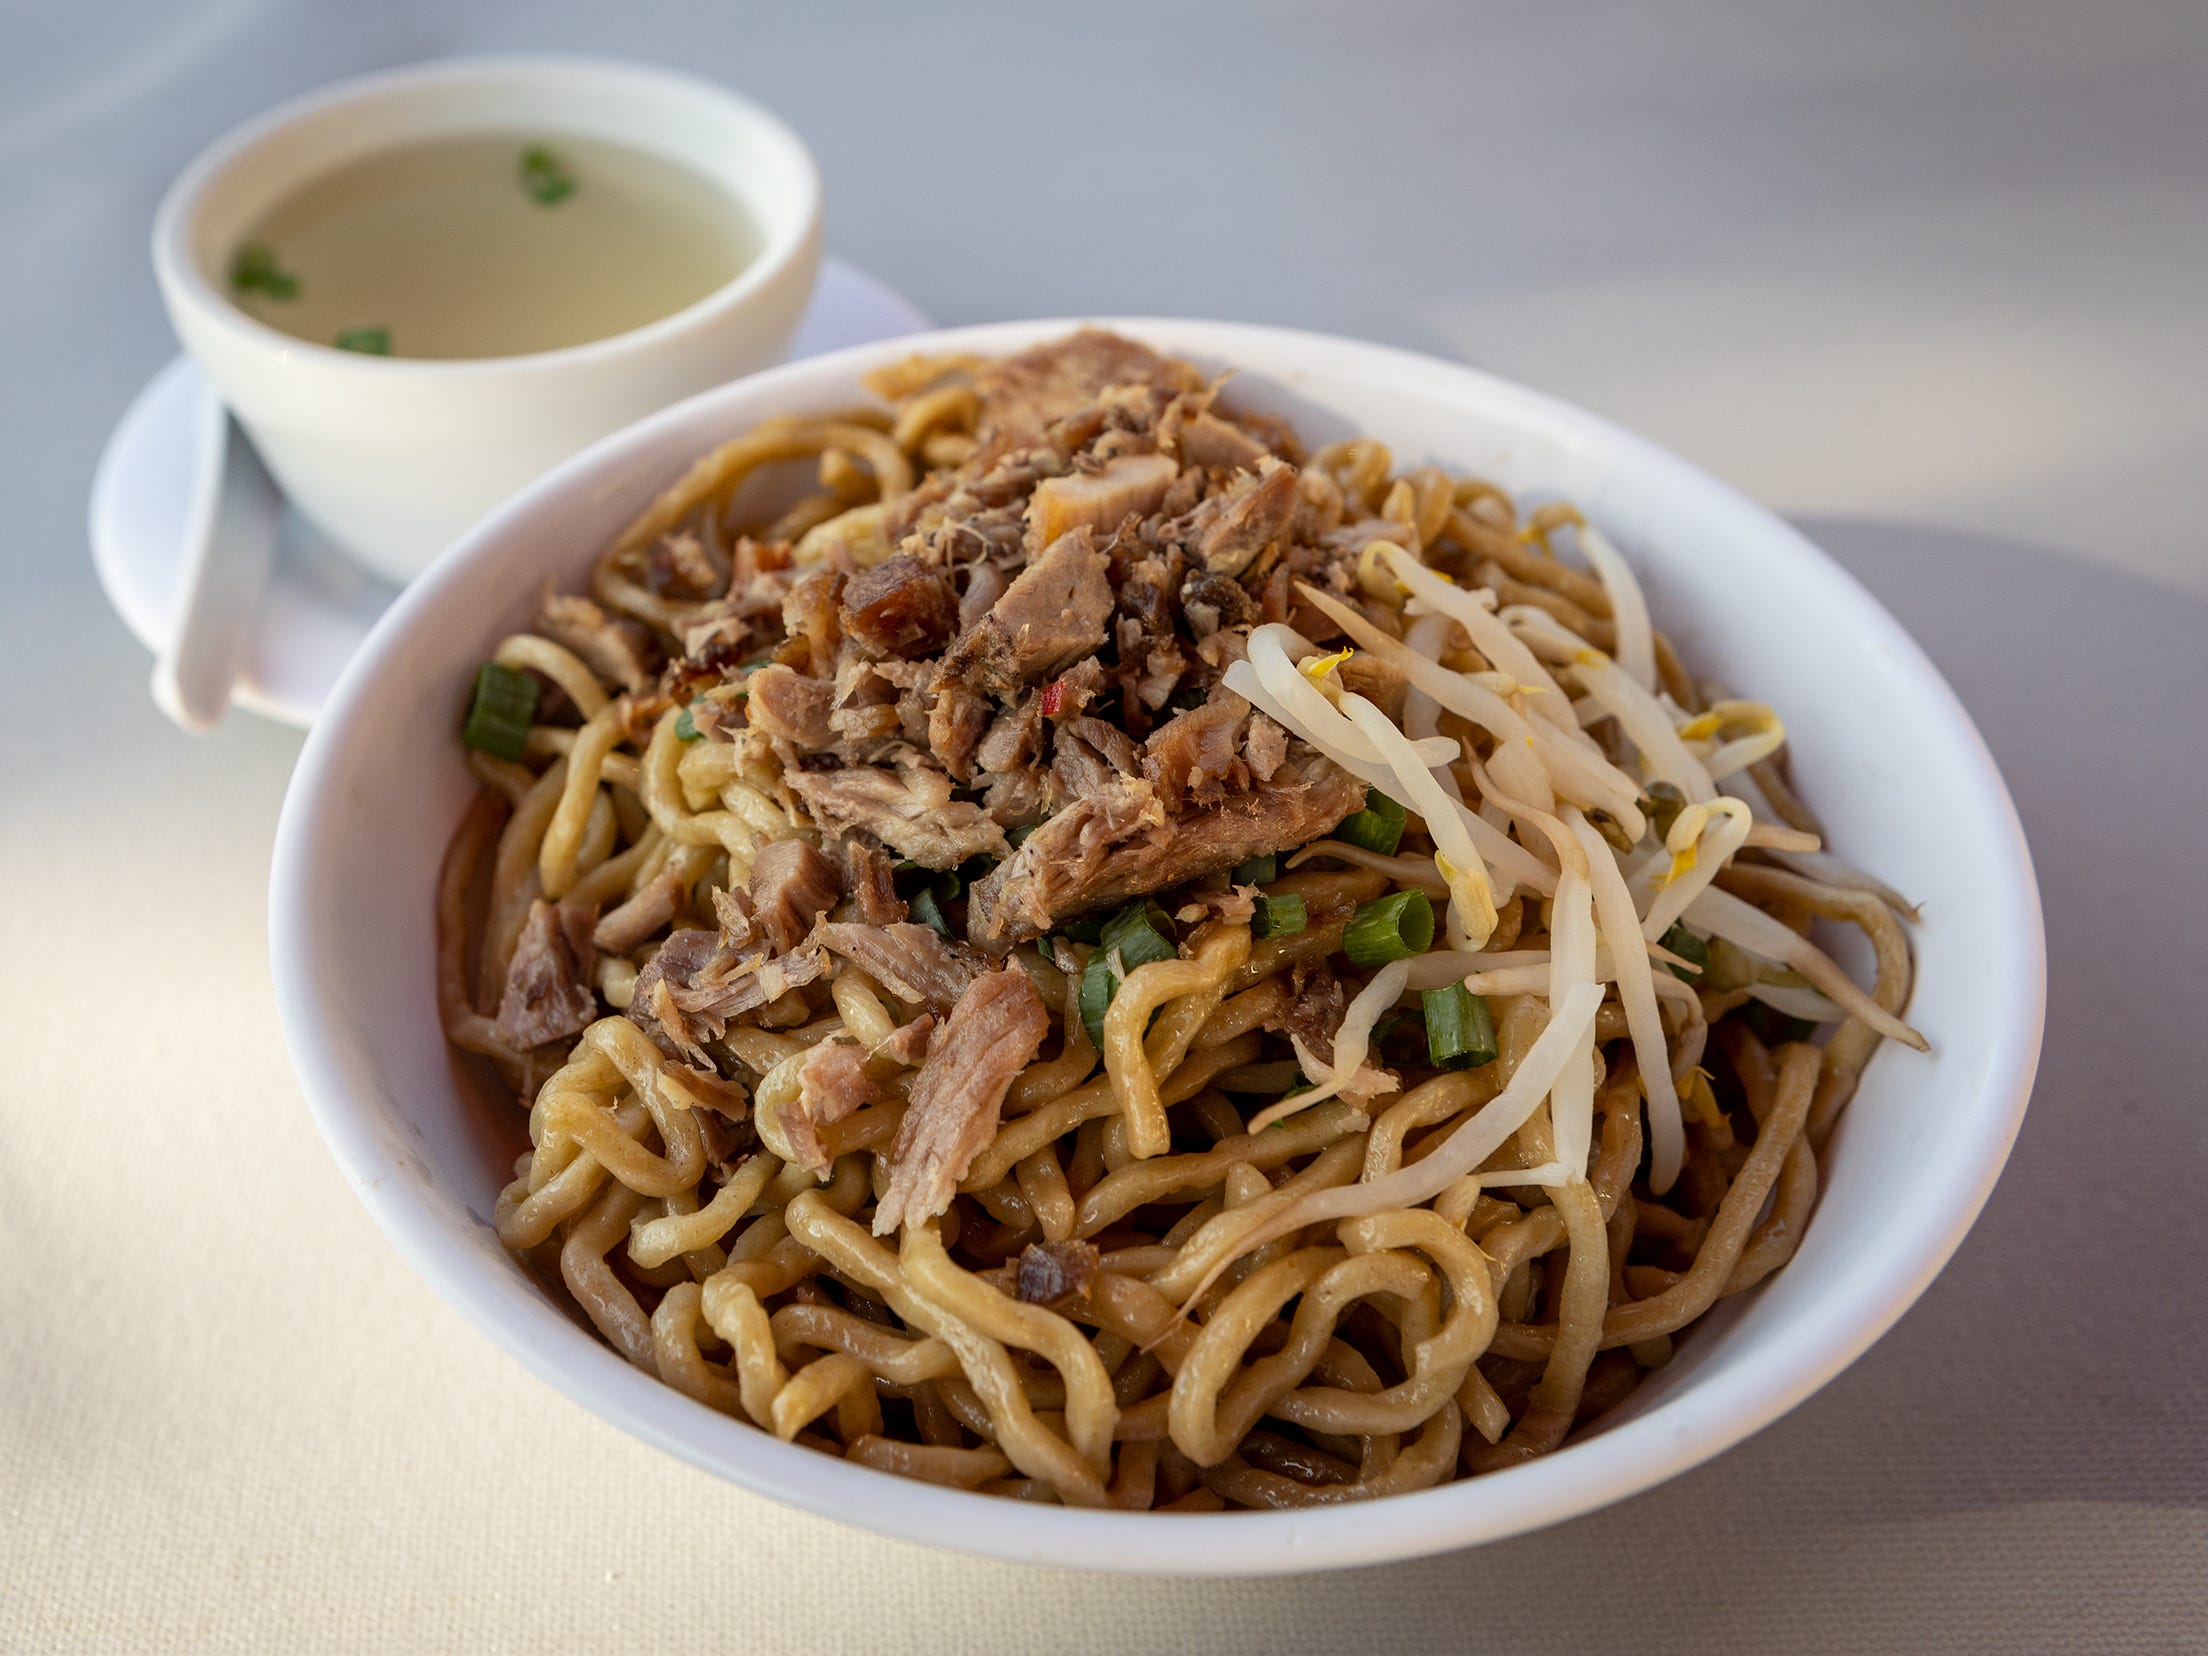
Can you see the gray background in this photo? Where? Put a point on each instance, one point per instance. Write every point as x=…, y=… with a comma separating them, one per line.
x=1934, y=280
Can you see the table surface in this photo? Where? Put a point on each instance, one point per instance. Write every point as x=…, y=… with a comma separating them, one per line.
x=1933, y=280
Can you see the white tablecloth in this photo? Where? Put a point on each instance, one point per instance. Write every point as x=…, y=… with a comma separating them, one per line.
x=1937, y=285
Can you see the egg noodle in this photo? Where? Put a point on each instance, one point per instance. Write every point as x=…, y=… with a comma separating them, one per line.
x=1213, y=1258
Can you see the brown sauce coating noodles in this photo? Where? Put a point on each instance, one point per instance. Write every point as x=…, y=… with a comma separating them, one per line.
x=1123, y=1296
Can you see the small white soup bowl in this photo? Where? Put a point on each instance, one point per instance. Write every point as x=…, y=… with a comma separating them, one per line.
x=1880, y=746
x=393, y=457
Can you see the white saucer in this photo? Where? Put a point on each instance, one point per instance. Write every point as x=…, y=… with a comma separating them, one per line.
x=320, y=604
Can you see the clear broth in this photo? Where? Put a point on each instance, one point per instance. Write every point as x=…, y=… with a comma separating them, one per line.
x=446, y=249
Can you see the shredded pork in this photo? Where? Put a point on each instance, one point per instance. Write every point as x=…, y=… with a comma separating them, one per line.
x=915, y=963
x=791, y=886
x=1055, y=1273
x=547, y=994
x=1120, y=842
x=909, y=809
x=613, y=647
x=831, y=1083
x=1014, y=675
x=1034, y=647
x=993, y=1033
x=696, y=985
x=900, y=607
x=1048, y=619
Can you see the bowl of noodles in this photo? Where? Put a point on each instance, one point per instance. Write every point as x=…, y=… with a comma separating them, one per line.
x=1159, y=946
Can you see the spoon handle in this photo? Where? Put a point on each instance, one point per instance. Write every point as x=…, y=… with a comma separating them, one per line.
x=230, y=548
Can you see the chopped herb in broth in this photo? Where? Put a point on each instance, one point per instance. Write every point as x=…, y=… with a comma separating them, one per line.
x=544, y=178
x=435, y=242
x=255, y=270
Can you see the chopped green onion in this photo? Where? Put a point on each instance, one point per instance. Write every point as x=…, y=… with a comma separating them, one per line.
x=499, y=717
x=1099, y=983
x=1460, y=1031
x=253, y=269
x=542, y=175
x=368, y=341
x=923, y=908
x=686, y=728
x=1665, y=802
x=1135, y=936
x=1378, y=827
x=1088, y=929
x=1139, y=934
x=1393, y=927
x=1258, y=870
x=1017, y=837
x=1687, y=946
x=1278, y=916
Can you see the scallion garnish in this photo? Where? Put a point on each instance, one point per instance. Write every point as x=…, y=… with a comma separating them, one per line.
x=686, y=728
x=1393, y=927
x=1139, y=934
x=253, y=269
x=544, y=177
x=922, y=907
x=1460, y=1032
x=1134, y=937
x=1088, y=929
x=1378, y=827
x=1277, y=916
x=1258, y=870
x=1017, y=837
x=1686, y=946
x=368, y=341
x=1099, y=983
x=500, y=714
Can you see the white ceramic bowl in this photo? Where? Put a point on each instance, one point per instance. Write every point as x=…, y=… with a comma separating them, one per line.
x=1880, y=746
x=393, y=457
